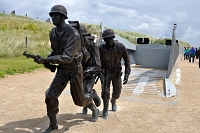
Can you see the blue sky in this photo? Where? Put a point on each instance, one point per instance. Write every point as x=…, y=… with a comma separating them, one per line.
x=152, y=17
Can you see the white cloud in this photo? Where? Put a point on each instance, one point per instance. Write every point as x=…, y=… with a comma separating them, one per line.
x=181, y=15
x=143, y=26
x=191, y=33
x=155, y=18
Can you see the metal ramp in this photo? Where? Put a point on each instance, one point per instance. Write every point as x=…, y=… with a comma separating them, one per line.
x=142, y=87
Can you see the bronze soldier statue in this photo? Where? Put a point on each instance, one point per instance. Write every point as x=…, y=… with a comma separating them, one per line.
x=91, y=69
x=111, y=53
x=67, y=53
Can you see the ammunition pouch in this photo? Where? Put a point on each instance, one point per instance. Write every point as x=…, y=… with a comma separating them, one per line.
x=117, y=71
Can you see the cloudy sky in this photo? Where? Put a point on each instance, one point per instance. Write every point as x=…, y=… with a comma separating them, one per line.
x=152, y=17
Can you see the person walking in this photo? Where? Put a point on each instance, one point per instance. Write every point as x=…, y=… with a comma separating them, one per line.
x=198, y=55
x=187, y=53
x=196, y=49
x=192, y=54
x=184, y=55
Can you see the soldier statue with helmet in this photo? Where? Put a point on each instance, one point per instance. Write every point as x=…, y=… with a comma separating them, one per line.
x=67, y=53
x=91, y=68
x=111, y=53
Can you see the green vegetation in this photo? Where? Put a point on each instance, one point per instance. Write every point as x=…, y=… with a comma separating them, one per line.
x=13, y=33
x=15, y=29
x=10, y=66
x=19, y=34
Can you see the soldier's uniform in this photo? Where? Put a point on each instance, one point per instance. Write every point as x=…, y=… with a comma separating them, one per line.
x=90, y=67
x=112, y=70
x=67, y=53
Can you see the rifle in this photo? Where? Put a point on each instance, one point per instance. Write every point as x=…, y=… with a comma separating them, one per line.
x=49, y=66
x=92, y=73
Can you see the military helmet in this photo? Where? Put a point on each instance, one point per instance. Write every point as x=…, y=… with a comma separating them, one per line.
x=83, y=30
x=59, y=9
x=108, y=33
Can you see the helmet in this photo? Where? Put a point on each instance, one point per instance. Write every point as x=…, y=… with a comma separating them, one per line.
x=83, y=30
x=59, y=9
x=108, y=33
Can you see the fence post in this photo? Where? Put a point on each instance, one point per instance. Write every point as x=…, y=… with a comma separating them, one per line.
x=26, y=41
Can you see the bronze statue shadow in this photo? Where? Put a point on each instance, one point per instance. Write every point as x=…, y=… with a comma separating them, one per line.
x=37, y=125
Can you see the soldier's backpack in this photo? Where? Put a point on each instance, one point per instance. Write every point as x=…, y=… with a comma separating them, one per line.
x=86, y=54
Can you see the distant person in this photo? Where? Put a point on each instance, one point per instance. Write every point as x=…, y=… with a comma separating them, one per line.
x=192, y=54
x=187, y=53
x=67, y=53
x=111, y=53
x=184, y=55
x=198, y=55
x=196, y=49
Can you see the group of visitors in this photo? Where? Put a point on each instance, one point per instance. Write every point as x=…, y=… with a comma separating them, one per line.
x=191, y=54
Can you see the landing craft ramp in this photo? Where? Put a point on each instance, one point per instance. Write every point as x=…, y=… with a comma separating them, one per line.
x=146, y=85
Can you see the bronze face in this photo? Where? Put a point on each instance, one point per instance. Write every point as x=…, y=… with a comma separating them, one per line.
x=56, y=18
x=109, y=42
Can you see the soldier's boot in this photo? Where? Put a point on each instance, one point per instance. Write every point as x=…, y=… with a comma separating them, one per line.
x=96, y=98
x=52, y=126
x=114, y=105
x=95, y=112
x=84, y=111
x=105, y=109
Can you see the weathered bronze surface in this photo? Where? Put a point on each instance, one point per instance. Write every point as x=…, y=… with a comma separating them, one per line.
x=111, y=53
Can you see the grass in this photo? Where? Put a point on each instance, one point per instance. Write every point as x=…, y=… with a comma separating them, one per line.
x=20, y=34
x=10, y=66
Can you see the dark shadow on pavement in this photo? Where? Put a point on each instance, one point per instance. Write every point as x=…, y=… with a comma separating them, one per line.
x=37, y=125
